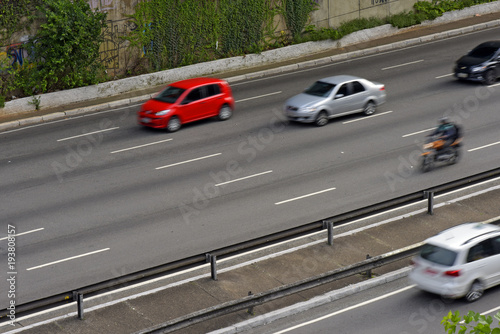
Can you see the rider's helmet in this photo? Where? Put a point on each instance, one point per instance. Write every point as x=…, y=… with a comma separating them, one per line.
x=444, y=120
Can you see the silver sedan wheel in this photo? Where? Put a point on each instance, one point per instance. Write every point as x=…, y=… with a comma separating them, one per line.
x=370, y=108
x=322, y=119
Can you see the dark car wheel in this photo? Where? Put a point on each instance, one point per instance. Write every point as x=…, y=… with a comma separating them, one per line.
x=174, y=124
x=489, y=77
x=225, y=113
x=370, y=108
x=476, y=291
x=322, y=119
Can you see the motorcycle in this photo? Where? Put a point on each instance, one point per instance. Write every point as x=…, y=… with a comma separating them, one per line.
x=434, y=152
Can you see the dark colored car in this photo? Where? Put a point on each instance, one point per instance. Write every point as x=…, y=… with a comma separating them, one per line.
x=187, y=101
x=481, y=64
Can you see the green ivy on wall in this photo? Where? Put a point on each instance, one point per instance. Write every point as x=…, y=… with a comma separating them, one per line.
x=174, y=33
x=14, y=14
x=296, y=14
x=62, y=54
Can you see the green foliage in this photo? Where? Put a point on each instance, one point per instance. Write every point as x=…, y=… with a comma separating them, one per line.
x=347, y=28
x=296, y=14
x=170, y=33
x=473, y=323
x=311, y=33
x=436, y=8
x=408, y=19
x=14, y=15
x=6, y=79
x=174, y=33
x=241, y=25
x=65, y=49
x=35, y=101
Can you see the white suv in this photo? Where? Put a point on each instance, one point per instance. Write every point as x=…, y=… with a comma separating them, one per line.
x=459, y=262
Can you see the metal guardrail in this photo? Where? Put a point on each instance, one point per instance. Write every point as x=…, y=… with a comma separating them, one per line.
x=285, y=290
x=201, y=259
x=282, y=291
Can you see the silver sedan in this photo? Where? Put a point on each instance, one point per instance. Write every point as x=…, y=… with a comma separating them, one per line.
x=334, y=97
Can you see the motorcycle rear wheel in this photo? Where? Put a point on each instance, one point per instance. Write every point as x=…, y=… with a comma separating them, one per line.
x=427, y=163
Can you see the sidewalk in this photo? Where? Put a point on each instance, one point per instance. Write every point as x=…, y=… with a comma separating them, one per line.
x=135, y=309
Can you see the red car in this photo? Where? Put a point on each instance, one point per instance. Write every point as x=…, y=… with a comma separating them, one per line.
x=188, y=101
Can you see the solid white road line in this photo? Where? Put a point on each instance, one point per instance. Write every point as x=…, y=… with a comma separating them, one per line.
x=416, y=133
x=139, y=146
x=67, y=259
x=257, y=97
x=405, y=64
x=308, y=195
x=367, y=117
x=243, y=178
x=23, y=233
x=481, y=147
x=187, y=161
x=444, y=76
x=347, y=309
x=88, y=133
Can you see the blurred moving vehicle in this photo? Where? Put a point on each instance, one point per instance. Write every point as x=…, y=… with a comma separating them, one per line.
x=459, y=262
x=443, y=145
x=481, y=64
x=334, y=97
x=187, y=101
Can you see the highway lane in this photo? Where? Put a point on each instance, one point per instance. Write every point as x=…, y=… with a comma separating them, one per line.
x=142, y=197
x=396, y=307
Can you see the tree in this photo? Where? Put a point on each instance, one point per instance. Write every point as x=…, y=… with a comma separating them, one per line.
x=476, y=323
x=64, y=53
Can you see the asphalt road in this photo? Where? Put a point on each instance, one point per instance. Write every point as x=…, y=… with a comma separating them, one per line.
x=396, y=307
x=99, y=196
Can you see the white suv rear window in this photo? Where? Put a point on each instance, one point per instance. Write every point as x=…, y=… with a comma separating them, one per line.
x=438, y=255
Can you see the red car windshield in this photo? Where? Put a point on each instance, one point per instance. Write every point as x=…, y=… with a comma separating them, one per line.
x=170, y=94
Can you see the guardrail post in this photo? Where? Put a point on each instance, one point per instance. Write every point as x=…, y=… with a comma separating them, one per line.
x=369, y=271
x=213, y=265
x=78, y=297
x=430, y=201
x=250, y=309
x=329, y=226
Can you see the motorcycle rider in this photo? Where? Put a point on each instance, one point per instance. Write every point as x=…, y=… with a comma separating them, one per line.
x=447, y=131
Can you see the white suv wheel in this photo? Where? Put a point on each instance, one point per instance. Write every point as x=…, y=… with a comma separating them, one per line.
x=476, y=291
